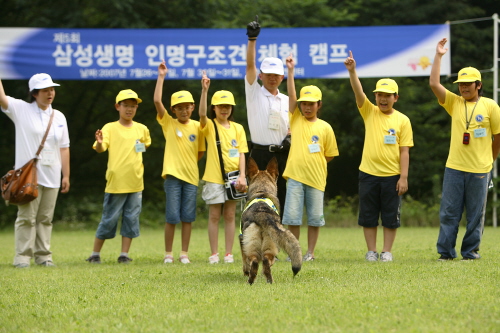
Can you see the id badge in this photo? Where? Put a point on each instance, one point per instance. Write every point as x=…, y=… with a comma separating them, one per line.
x=314, y=148
x=390, y=139
x=140, y=147
x=480, y=132
x=233, y=152
x=274, y=120
x=48, y=157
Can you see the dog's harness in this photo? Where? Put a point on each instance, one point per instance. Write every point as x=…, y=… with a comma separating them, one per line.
x=268, y=201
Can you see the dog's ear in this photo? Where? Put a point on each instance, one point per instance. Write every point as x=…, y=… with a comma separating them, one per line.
x=272, y=168
x=252, y=168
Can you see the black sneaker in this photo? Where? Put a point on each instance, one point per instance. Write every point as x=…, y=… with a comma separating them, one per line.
x=124, y=260
x=444, y=258
x=94, y=259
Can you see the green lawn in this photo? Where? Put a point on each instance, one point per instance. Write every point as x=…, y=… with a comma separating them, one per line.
x=338, y=292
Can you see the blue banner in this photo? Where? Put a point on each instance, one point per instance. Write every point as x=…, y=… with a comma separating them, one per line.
x=134, y=54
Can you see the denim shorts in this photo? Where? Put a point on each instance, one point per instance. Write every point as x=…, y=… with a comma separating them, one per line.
x=378, y=198
x=127, y=205
x=298, y=194
x=181, y=200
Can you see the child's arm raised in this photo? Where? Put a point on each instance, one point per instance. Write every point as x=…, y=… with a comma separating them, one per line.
x=162, y=72
x=98, y=138
x=290, y=84
x=202, y=109
x=434, y=78
x=350, y=64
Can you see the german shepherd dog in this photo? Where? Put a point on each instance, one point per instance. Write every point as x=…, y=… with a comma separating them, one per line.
x=261, y=229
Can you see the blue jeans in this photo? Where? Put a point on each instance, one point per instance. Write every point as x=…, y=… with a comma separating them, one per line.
x=298, y=194
x=181, y=200
x=462, y=190
x=129, y=205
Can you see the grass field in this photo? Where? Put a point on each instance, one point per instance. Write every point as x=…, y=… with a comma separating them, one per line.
x=338, y=292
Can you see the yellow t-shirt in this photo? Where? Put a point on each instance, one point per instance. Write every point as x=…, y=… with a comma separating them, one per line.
x=125, y=169
x=233, y=142
x=476, y=157
x=304, y=166
x=384, y=134
x=183, y=142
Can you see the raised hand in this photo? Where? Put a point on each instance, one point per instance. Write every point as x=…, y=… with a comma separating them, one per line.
x=162, y=68
x=98, y=136
x=349, y=62
x=290, y=63
x=440, y=49
x=205, y=81
x=253, y=28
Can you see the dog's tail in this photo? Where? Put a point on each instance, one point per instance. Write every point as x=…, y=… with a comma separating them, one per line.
x=287, y=241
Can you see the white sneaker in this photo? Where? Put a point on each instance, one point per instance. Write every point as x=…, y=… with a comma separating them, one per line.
x=228, y=259
x=386, y=256
x=214, y=259
x=184, y=259
x=371, y=256
x=308, y=257
x=168, y=259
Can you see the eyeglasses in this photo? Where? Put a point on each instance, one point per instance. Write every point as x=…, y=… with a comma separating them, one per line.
x=128, y=106
x=185, y=108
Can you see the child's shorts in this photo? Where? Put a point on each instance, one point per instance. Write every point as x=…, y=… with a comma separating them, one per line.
x=214, y=193
x=181, y=200
x=127, y=205
x=378, y=197
x=298, y=194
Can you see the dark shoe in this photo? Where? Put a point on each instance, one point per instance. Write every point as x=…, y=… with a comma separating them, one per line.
x=124, y=260
x=94, y=259
x=444, y=258
x=48, y=263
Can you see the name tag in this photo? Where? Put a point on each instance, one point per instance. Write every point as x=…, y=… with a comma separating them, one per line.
x=48, y=157
x=274, y=120
x=390, y=139
x=140, y=147
x=479, y=132
x=314, y=148
x=233, y=152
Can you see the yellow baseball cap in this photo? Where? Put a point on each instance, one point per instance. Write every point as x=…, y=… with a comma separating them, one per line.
x=223, y=97
x=182, y=96
x=386, y=85
x=468, y=74
x=127, y=94
x=310, y=94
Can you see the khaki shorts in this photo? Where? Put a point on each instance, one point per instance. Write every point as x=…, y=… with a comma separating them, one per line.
x=214, y=193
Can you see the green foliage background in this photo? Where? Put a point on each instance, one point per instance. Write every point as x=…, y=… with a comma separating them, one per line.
x=88, y=105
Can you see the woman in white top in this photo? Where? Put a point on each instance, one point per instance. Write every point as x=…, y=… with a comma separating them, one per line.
x=33, y=227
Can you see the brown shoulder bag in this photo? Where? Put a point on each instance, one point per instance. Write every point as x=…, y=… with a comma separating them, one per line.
x=20, y=186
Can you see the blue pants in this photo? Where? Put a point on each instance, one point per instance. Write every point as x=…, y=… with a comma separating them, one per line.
x=462, y=190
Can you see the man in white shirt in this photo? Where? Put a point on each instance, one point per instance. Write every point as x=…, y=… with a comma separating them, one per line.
x=267, y=110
